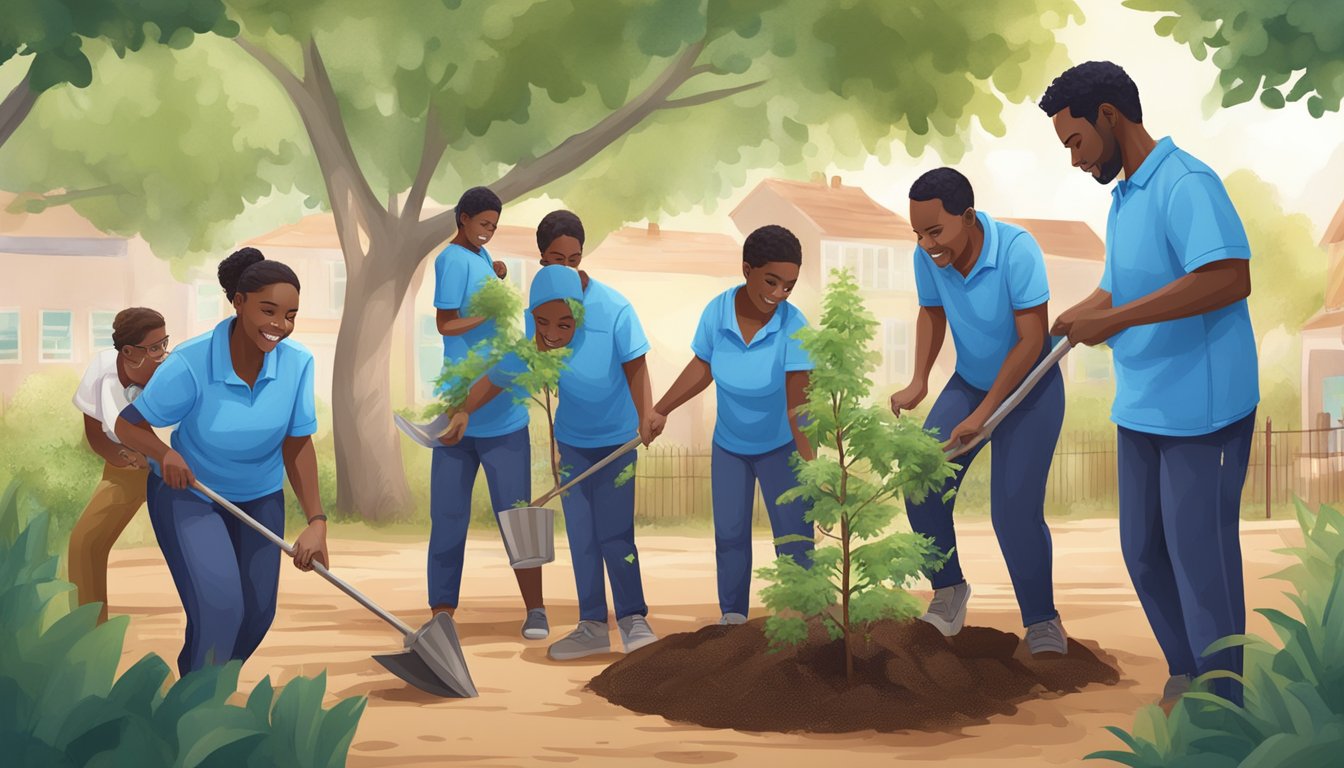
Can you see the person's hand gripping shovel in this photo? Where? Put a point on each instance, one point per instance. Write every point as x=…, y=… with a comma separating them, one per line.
x=432, y=661
x=1058, y=351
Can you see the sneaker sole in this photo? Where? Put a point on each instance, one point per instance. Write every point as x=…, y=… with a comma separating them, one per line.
x=570, y=656
x=631, y=647
x=536, y=634
x=950, y=629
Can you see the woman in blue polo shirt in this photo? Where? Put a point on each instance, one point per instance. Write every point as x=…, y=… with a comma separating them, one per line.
x=604, y=398
x=242, y=399
x=986, y=280
x=497, y=439
x=745, y=343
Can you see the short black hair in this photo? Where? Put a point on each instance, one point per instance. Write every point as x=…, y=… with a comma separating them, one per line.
x=557, y=224
x=476, y=200
x=1084, y=88
x=947, y=186
x=772, y=243
x=246, y=270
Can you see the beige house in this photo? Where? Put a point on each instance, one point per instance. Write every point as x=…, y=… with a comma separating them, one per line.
x=842, y=227
x=65, y=283
x=1323, y=340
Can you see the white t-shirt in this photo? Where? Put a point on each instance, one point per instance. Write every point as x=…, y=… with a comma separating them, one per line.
x=100, y=393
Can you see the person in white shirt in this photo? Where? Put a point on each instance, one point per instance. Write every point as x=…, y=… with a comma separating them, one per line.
x=114, y=378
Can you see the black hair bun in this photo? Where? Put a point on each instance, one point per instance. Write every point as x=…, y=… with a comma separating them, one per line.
x=232, y=267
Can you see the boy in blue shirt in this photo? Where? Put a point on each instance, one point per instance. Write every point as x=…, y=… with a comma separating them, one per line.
x=986, y=281
x=1172, y=307
x=746, y=344
x=498, y=438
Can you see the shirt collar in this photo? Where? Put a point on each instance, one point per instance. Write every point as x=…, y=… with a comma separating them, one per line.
x=1147, y=168
x=221, y=361
x=729, y=322
x=989, y=250
x=481, y=254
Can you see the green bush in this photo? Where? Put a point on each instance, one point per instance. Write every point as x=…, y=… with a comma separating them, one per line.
x=42, y=445
x=1294, y=694
x=62, y=703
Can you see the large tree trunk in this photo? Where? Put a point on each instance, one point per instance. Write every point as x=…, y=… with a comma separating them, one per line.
x=371, y=480
x=15, y=109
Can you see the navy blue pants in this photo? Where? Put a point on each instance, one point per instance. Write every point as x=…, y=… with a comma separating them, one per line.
x=1180, y=505
x=733, y=479
x=507, y=460
x=1024, y=444
x=600, y=523
x=226, y=573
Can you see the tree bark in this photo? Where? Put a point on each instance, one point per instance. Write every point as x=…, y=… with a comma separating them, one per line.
x=15, y=108
x=370, y=478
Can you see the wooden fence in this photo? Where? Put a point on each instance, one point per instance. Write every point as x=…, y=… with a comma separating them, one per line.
x=673, y=483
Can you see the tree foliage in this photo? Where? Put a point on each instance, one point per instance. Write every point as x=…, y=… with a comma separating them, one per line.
x=867, y=460
x=1283, y=51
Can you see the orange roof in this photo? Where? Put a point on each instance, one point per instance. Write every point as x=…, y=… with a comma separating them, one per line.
x=837, y=210
x=1070, y=239
x=647, y=249
x=1326, y=318
x=56, y=221
x=1335, y=232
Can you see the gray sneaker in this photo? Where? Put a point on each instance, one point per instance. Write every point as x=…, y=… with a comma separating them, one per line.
x=947, y=609
x=732, y=619
x=587, y=639
x=635, y=632
x=1047, y=637
x=535, y=627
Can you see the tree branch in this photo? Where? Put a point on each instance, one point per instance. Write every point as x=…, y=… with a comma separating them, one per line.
x=22, y=201
x=708, y=96
x=318, y=83
x=532, y=173
x=430, y=156
x=15, y=108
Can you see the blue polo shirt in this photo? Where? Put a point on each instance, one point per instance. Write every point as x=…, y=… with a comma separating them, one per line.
x=752, y=402
x=596, y=409
x=229, y=433
x=458, y=275
x=1008, y=276
x=1194, y=375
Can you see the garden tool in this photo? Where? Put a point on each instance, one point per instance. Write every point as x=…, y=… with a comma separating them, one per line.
x=529, y=532
x=1060, y=348
x=433, y=659
x=426, y=434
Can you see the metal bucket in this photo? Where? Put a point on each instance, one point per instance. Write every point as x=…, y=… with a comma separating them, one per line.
x=529, y=536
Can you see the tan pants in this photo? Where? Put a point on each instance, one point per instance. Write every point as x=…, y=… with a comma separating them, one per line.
x=119, y=495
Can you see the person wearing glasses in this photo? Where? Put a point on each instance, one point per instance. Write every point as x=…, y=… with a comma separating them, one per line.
x=242, y=399
x=114, y=378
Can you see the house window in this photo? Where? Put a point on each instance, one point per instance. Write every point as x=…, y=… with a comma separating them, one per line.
x=100, y=330
x=428, y=357
x=208, y=300
x=896, y=350
x=336, y=281
x=875, y=267
x=10, y=352
x=58, y=340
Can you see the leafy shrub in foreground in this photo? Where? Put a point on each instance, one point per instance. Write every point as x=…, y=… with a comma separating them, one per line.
x=62, y=703
x=1294, y=694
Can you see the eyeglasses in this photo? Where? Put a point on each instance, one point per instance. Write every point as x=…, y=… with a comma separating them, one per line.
x=155, y=351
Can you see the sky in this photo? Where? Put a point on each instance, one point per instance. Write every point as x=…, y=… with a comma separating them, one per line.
x=1026, y=173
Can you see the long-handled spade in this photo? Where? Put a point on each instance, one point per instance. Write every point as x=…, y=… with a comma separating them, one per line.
x=1057, y=353
x=432, y=661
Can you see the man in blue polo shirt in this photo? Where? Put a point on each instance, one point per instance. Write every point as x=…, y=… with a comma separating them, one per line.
x=1172, y=306
x=986, y=280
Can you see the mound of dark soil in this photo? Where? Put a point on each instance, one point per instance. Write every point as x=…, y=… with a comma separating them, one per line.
x=906, y=676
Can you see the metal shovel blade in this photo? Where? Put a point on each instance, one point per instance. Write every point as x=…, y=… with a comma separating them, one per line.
x=433, y=660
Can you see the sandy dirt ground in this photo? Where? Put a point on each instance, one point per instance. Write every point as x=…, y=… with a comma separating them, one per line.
x=533, y=711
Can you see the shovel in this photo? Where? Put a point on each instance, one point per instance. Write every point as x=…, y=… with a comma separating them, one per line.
x=529, y=531
x=432, y=661
x=1057, y=353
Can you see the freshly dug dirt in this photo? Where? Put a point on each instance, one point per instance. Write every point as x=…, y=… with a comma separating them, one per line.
x=907, y=676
